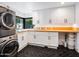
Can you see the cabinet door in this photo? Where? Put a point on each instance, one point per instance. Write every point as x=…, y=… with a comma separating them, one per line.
x=30, y=37
x=41, y=17
x=64, y=15
x=24, y=39
x=20, y=40
x=53, y=39
x=41, y=38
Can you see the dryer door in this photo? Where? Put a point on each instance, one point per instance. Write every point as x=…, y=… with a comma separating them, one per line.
x=8, y=20
x=10, y=48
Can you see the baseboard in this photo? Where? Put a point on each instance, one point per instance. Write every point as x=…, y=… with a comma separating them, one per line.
x=41, y=45
x=54, y=47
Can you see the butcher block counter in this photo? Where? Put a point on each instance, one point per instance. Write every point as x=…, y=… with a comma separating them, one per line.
x=51, y=29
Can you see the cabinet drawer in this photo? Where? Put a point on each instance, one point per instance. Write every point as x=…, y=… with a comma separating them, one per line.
x=30, y=33
x=53, y=41
x=53, y=34
x=42, y=39
x=41, y=33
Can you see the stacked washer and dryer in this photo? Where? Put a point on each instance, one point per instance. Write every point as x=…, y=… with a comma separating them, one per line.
x=8, y=39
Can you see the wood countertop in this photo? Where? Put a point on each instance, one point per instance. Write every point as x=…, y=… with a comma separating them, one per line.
x=52, y=29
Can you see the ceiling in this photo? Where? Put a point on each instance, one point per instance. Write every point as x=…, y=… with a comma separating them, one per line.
x=28, y=7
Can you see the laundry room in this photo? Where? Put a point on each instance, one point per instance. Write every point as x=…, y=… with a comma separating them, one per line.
x=39, y=29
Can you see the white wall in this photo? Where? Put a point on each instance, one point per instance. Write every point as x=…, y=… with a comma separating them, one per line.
x=19, y=7
x=77, y=13
x=25, y=9
x=56, y=15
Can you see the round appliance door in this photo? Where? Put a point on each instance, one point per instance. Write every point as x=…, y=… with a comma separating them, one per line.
x=10, y=48
x=8, y=20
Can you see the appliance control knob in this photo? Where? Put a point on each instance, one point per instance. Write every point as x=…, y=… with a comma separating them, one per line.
x=10, y=37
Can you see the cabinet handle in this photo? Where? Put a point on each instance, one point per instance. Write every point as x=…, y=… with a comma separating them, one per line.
x=22, y=37
x=34, y=36
x=48, y=37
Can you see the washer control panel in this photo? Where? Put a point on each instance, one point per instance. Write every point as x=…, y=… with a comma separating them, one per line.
x=2, y=40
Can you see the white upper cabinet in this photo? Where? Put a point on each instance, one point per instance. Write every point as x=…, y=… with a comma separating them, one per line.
x=64, y=15
x=44, y=17
x=41, y=17
x=35, y=18
x=54, y=16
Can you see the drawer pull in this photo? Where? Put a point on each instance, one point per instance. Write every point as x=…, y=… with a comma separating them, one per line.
x=49, y=38
x=34, y=36
x=22, y=38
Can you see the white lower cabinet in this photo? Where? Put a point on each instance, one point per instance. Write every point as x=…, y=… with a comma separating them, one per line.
x=22, y=40
x=19, y=40
x=30, y=37
x=53, y=40
x=41, y=38
x=49, y=39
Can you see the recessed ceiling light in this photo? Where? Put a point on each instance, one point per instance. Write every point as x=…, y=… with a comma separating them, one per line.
x=62, y=2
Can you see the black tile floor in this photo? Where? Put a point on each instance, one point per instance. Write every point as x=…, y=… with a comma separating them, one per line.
x=35, y=51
